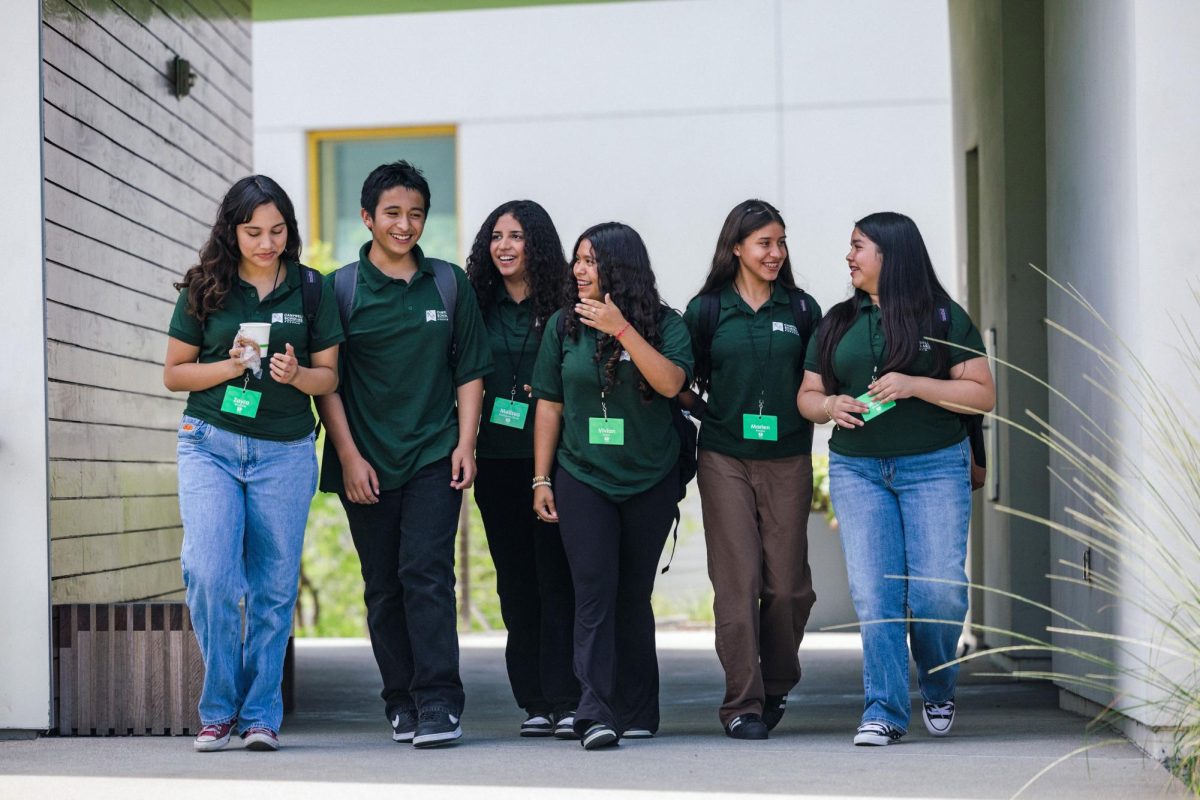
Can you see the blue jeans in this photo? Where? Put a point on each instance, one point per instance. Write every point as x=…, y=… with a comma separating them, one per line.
x=244, y=504
x=905, y=516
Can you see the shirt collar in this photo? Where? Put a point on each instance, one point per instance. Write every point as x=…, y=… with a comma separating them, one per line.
x=289, y=277
x=374, y=278
x=731, y=299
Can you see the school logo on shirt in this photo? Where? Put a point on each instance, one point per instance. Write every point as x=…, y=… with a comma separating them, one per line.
x=785, y=327
x=924, y=346
x=287, y=319
x=436, y=316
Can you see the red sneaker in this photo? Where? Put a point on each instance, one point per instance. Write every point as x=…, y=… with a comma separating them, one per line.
x=262, y=739
x=214, y=737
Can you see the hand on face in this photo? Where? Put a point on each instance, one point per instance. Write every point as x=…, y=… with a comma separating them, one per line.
x=604, y=317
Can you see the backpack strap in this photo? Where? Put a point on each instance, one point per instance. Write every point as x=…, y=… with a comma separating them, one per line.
x=802, y=313
x=345, y=281
x=310, y=295
x=447, y=287
x=706, y=329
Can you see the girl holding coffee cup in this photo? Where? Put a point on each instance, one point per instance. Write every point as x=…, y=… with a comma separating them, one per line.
x=247, y=463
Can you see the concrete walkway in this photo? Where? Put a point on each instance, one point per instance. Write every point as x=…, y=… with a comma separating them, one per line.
x=337, y=745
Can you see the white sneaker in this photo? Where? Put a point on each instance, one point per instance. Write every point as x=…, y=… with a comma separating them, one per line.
x=876, y=734
x=938, y=717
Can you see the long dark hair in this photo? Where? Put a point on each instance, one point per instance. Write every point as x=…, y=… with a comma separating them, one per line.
x=209, y=281
x=545, y=265
x=908, y=293
x=742, y=221
x=746, y=217
x=623, y=266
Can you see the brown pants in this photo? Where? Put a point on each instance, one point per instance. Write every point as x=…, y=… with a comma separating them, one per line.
x=756, y=531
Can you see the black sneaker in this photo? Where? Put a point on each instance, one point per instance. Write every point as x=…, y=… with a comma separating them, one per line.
x=597, y=736
x=436, y=727
x=538, y=725
x=565, y=727
x=876, y=733
x=773, y=707
x=938, y=717
x=746, y=726
x=404, y=724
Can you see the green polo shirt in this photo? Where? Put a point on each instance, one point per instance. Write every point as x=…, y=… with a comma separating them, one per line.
x=514, y=343
x=913, y=426
x=566, y=372
x=754, y=354
x=284, y=412
x=397, y=382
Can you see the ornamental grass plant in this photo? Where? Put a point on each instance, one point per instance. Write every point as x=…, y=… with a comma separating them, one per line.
x=1131, y=479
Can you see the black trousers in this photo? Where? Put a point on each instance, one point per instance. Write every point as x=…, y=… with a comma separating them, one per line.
x=613, y=549
x=406, y=545
x=533, y=580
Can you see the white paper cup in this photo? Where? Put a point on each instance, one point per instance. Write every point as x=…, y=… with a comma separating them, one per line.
x=259, y=332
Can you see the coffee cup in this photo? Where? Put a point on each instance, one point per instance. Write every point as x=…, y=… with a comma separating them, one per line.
x=258, y=332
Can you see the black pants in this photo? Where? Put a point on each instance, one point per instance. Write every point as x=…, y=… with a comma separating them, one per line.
x=613, y=549
x=406, y=545
x=534, y=584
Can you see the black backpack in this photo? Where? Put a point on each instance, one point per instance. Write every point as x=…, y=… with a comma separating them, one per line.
x=710, y=312
x=973, y=422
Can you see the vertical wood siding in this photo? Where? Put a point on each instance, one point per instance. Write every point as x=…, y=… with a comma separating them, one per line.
x=133, y=178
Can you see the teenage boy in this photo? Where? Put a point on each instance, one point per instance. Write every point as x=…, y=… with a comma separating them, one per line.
x=400, y=444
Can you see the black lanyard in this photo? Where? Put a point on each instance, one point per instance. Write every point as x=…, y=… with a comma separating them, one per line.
x=871, y=342
x=600, y=378
x=763, y=365
x=517, y=361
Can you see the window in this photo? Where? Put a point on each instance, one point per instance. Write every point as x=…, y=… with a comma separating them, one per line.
x=340, y=160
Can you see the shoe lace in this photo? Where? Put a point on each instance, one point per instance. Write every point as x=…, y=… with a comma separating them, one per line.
x=943, y=709
x=215, y=729
x=881, y=728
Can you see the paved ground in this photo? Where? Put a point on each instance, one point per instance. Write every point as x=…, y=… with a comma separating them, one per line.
x=337, y=745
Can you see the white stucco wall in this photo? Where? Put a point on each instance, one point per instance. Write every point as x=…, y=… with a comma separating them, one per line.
x=660, y=114
x=24, y=535
x=1123, y=117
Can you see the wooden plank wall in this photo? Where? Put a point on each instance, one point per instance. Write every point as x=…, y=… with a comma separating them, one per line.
x=133, y=178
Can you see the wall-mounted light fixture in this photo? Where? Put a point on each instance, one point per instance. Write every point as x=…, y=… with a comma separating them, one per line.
x=179, y=73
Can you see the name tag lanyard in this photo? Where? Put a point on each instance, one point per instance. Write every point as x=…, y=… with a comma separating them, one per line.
x=874, y=407
x=245, y=383
x=763, y=365
x=514, y=361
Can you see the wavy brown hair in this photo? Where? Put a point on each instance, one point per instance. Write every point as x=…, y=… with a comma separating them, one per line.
x=623, y=266
x=208, y=282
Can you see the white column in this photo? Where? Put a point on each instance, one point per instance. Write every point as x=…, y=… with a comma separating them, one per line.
x=25, y=666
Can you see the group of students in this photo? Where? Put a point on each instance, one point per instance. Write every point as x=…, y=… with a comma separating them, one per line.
x=558, y=386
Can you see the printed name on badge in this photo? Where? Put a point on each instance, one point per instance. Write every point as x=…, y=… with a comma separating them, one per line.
x=606, y=431
x=509, y=413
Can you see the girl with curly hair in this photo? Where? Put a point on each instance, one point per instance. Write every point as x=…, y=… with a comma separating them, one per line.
x=247, y=464
x=610, y=361
x=750, y=327
x=517, y=268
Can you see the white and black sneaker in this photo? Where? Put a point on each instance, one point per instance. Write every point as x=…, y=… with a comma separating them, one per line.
x=538, y=725
x=404, y=724
x=638, y=733
x=597, y=736
x=876, y=734
x=436, y=727
x=565, y=727
x=938, y=717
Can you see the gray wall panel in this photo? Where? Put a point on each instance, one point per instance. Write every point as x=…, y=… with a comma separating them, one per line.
x=133, y=176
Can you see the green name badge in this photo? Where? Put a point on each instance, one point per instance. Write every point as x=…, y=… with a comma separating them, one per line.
x=760, y=427
x=874, y=407
x=509, y=413
x=243, y=402
x=606, y=431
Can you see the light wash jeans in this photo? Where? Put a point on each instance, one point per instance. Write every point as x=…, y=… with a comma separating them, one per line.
x=244, y=504
x=905, y=516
